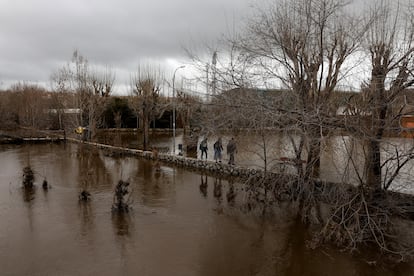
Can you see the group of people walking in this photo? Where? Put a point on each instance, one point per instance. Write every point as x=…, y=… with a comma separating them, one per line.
x=218, y=148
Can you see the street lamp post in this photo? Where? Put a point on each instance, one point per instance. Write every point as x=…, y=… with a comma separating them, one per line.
x=173, y=88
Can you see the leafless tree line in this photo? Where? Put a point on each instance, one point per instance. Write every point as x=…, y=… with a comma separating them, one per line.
x=81, y=94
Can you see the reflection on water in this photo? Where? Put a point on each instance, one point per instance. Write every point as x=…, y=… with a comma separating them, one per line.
x=181, y=223
x=28, y=194
x=231, y=193
x=86, y=218
x=121, y=221
x=217, y=189
x=203, y=185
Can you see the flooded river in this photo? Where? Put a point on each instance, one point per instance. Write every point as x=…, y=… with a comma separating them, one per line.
x=181, y=223
x=342, y=157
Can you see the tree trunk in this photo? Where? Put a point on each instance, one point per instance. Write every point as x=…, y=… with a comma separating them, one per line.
x=60, y=118
x=313, y=161
x=92, y=127
x=373, y=159
x=373, y=165
x=145, y=129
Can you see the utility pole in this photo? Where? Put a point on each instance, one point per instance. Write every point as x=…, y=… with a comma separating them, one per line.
x=173, y=87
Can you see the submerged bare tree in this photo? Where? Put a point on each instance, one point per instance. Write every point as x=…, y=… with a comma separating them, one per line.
x=91, y=90
x=78, y=72
x=120, y=203
x=102, y=87
x=186, y=106
x=390, y=47
x=61, y=87
x=367, y=215
x=28, y=177
x=146, y=86
x=300, y=49
x=304, y=45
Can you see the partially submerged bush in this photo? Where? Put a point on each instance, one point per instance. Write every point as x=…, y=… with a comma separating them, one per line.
x=45, y=185
x=360, y=219
x=84, y=195
x=120, y=202
x=28, y=177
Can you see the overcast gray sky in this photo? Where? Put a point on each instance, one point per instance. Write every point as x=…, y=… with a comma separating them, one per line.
x=39, y=36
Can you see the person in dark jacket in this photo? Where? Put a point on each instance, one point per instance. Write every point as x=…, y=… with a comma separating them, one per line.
x=203, y=147
x=231, y=150
x=218, y=148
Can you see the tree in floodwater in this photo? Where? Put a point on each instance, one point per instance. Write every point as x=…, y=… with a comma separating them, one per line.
x=300, y=47
x=186, y=107
x=146, y=86
x=91, y=90
x=60, y=83
x=120, y=203
x=77, y=77
x=366, y=214
x=101, y=88
x=303, y=45
x=28, y=177
x=389, y=44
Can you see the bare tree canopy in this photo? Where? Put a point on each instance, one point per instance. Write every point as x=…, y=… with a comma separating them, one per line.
x=146, y=85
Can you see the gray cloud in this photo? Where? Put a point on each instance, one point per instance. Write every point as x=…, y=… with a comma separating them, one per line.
x=38, y=36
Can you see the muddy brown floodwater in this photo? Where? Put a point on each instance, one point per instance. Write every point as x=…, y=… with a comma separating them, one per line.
x=181, y=223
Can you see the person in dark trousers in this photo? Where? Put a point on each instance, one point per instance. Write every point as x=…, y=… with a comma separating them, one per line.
x=203, y=148
x=231, y=150
x=218, y=148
